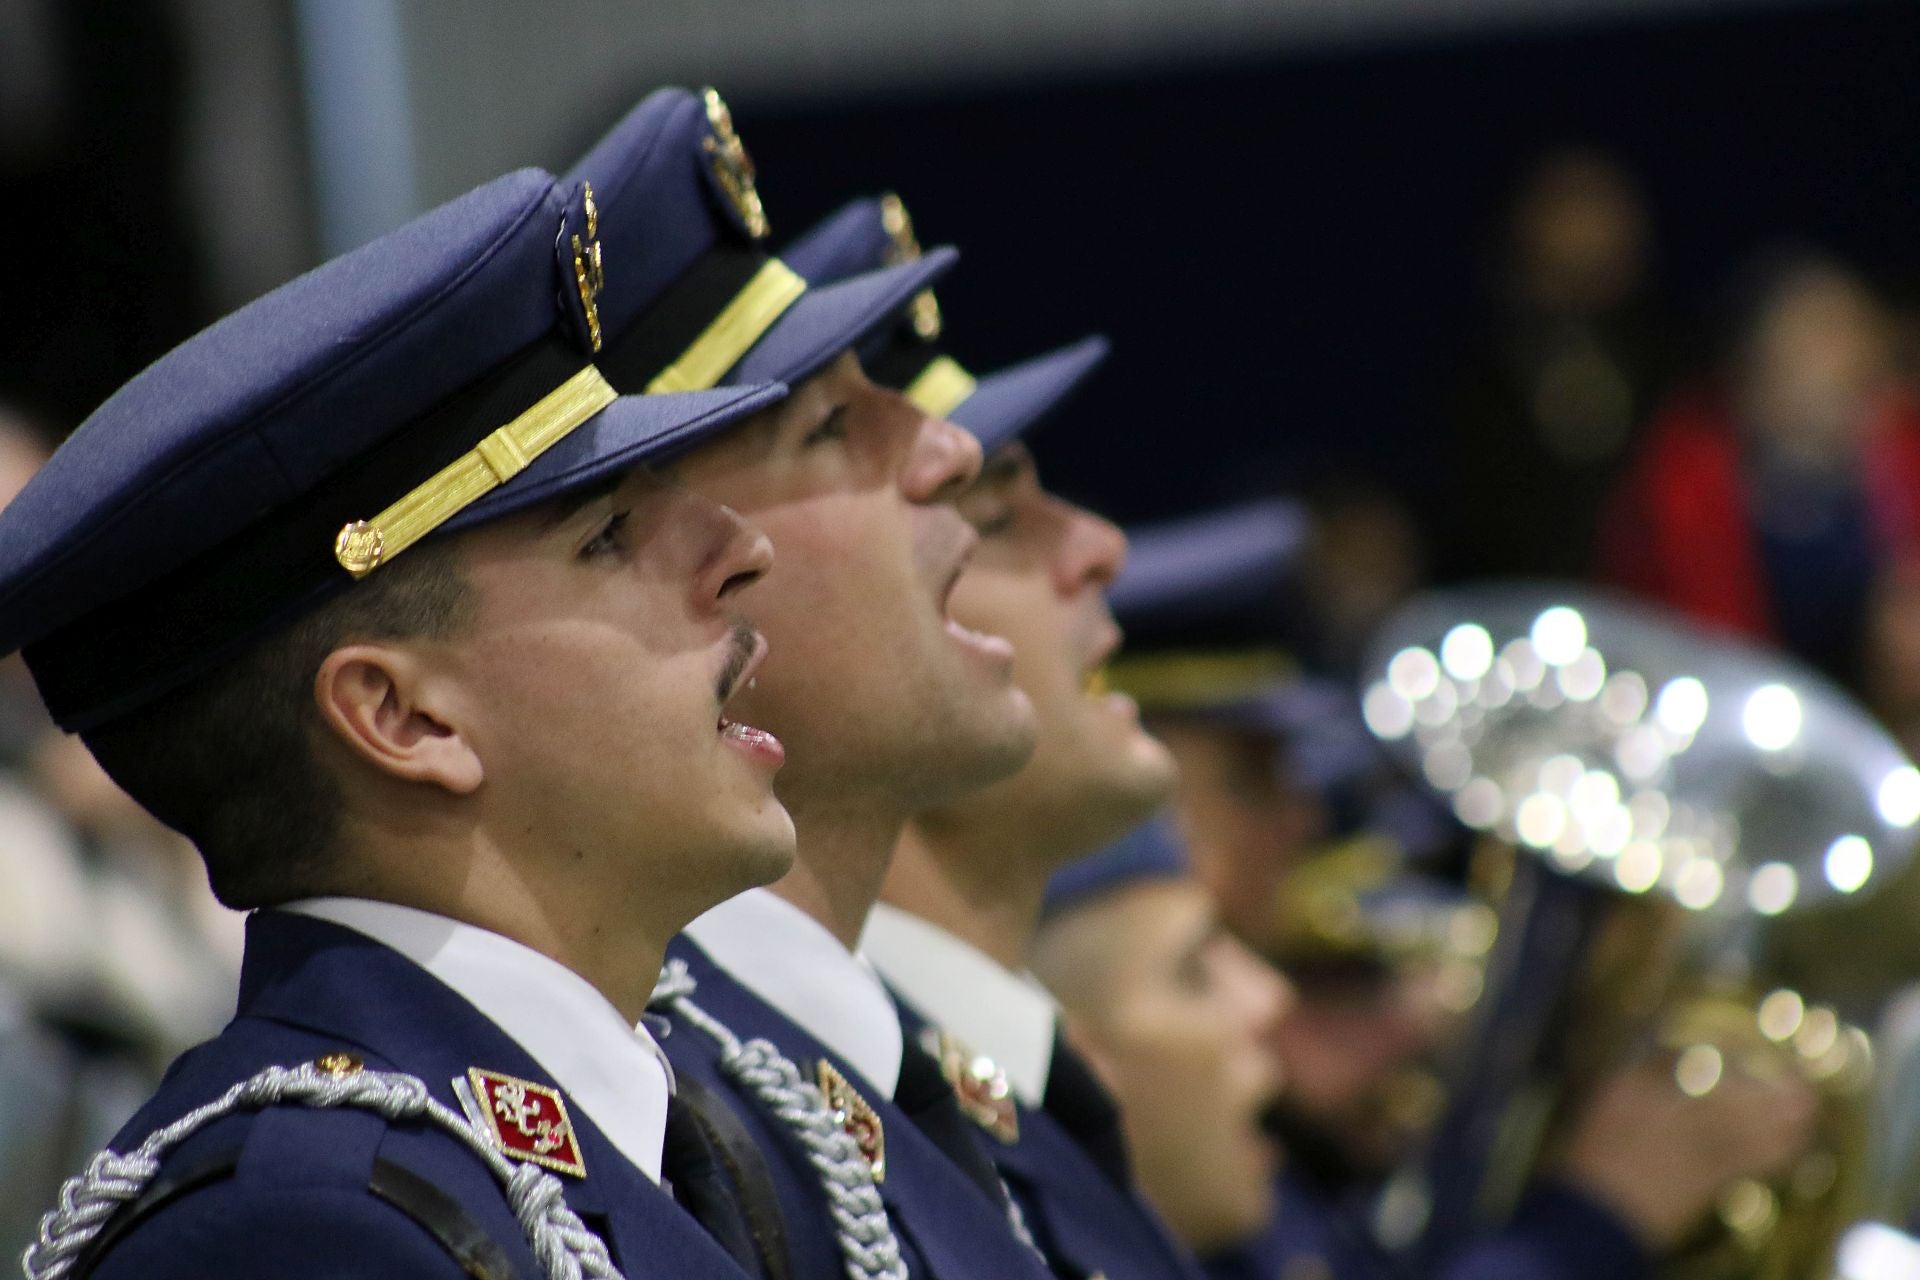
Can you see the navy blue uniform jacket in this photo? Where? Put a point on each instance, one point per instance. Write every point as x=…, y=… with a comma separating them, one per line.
x=948, y=1227
x=288, y=1192
x=1067, y=1171
x=1557, y=1234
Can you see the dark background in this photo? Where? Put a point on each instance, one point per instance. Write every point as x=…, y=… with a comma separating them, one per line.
x=1288, y=254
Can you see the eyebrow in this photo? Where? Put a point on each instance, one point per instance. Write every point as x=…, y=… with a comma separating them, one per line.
x=557, y=511
x=1004, y=466
x=1210, y=931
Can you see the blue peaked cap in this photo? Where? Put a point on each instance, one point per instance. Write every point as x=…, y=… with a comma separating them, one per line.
x=684, y=231
x=1148, y=853
x=208, y=502
x=996, y=408
x=1204, y=574
x=1211, y=612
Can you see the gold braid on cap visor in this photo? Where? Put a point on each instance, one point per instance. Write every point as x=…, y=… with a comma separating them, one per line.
x=365, y=545
x=941, y=387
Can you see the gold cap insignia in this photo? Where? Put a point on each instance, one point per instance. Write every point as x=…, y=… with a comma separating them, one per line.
x=340, y=1065
x=589, y=271
x=359, y=548
x=527, y=1121
x=924, y=311
x=979, y=1085
x=856, y=1117
x=732, y=166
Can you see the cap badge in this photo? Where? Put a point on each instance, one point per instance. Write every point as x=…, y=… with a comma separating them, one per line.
x=856, y=1117
x=924, y=311
x=359, y=548
x=979, y=1085
x=732, y=166
x=589, y=274
x=527, y=1121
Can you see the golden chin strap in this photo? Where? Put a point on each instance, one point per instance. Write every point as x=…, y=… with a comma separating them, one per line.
x=740, y=324
x=365, y=545
x=941, y=387
x=1198, y=681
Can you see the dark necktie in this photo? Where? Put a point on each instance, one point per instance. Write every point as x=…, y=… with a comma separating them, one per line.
x=1083, y=1107
x=924, y=1094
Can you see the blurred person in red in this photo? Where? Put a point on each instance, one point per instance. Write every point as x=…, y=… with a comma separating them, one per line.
x=1574, y=357
x=1779, y=496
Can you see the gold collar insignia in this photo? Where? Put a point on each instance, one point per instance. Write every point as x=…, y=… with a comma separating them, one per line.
x=855, y=1116
x=979, y=1085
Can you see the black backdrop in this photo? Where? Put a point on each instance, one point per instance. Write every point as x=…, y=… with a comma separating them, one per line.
x=1287, y=253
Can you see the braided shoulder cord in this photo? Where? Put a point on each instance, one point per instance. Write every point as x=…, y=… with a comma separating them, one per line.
x=866, y=1238
x=561, y=1243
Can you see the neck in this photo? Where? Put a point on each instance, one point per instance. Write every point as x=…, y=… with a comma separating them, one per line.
x=975, y=892
x=615, y=940
x=842, y=858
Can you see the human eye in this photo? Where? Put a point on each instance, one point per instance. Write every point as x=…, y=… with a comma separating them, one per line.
x=609, y=538
x=834, y=428
x=995, y=526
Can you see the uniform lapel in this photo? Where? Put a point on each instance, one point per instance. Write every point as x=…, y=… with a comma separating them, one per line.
x=333, y=981
x=952, y=1222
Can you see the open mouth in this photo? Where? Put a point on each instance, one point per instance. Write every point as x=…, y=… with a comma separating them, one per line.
x=748, y=652
x=1094, y=681
x=986, y=644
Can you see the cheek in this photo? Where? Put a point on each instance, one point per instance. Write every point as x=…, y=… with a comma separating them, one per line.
x=1178, y=1067
x=594, y=688
x=1029, y=616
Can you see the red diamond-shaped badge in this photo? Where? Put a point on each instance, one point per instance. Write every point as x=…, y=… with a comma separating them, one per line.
x=528, y=1121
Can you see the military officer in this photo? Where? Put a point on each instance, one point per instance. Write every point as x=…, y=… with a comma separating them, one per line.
x=1178, y=1016
x=1643, y=1163
x=964, y=891
x=885, y=702
x=381, y=593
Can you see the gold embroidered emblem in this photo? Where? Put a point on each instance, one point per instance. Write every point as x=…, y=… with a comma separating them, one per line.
x=979, y=1085
x=527, y=1121
x=589, y=271
x=853, y=1114
x=732, y=166
x=359, y=548
x=924, y=311
x=340, y=1065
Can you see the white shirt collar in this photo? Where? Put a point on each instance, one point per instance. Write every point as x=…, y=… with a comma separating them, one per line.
x=995, y=1011
x=788, y=959
x=610, y=1070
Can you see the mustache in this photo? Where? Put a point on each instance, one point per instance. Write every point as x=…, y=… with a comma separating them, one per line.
x=744, y=640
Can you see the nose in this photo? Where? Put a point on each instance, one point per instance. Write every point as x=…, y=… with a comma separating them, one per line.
x=1268, y=995
x=741, y=555
x=1096, y=550
x=943, y=461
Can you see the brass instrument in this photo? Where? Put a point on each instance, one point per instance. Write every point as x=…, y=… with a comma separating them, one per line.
x=1680, y=792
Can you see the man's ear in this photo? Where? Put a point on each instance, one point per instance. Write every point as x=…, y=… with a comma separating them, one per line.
x=374, y=699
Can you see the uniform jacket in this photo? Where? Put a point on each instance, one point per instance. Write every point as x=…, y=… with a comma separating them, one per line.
x=294, y=1192
x=1067, y=1169
x=949, y=1226
x=1557, y=1234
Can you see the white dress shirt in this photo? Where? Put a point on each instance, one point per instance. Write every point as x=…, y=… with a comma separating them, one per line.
x=787, y=958
x=612, y=1071
x=995, y=1011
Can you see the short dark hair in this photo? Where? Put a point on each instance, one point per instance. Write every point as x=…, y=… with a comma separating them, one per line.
x=228, y=760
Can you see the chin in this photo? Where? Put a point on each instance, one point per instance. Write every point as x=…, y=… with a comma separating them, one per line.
x=758, y=855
